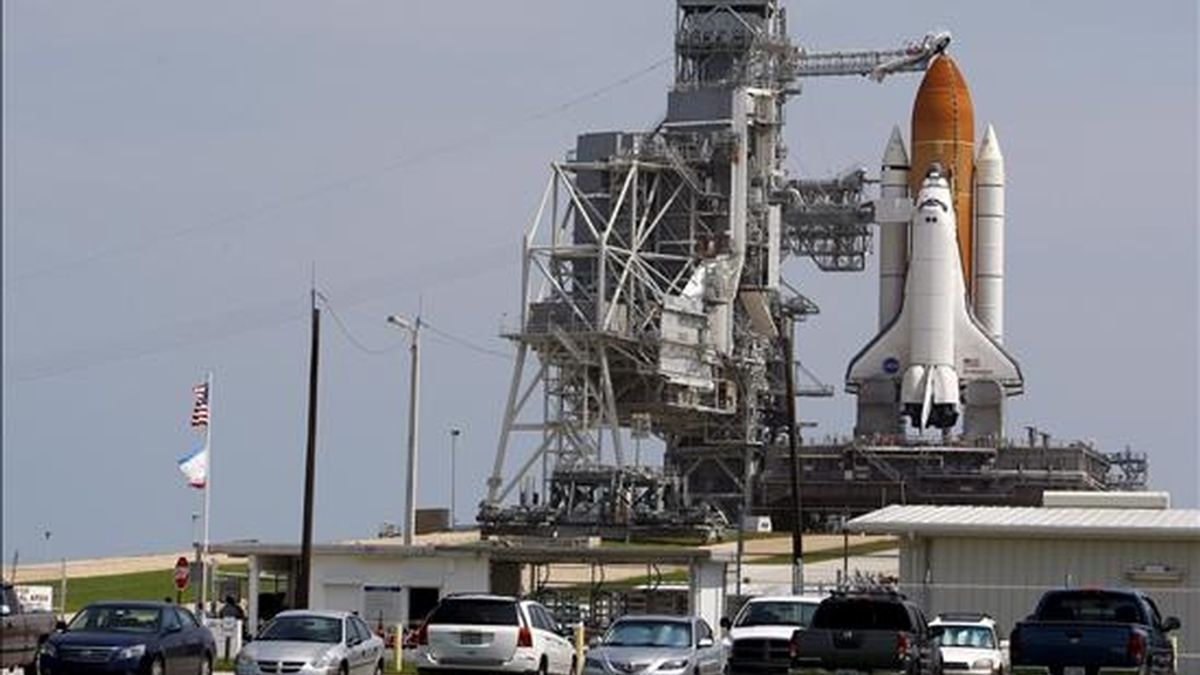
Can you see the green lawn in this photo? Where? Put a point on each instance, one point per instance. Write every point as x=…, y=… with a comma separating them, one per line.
x=681, y=576
x=155, y=585
x=828, y=554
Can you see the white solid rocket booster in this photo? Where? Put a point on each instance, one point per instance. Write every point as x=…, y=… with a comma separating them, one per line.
x=989, y=236
x=893, y=218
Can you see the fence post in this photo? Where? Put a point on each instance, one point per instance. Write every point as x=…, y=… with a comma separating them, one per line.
x=398, y=647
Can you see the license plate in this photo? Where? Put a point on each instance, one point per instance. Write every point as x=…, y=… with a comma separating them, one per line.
x=1074, y=670
x=477, y=639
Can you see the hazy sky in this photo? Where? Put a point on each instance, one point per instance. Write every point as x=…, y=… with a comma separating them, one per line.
x=172, y=171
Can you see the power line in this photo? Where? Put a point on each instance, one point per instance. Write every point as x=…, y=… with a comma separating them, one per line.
x=448, y=338
x=402, y=161
x=467, y=344
x=345, y=330
x=252, y=318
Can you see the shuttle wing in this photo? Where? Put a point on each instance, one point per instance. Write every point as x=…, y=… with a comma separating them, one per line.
x=886, y=356
x=978, y=357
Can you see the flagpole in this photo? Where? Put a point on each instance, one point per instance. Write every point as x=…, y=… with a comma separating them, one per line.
x=204, y=570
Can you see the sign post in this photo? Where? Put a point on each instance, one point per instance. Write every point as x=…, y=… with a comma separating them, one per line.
x=182, y=575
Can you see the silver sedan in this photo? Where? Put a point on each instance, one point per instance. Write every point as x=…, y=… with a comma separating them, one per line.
x=313, y=643
x=664, y=645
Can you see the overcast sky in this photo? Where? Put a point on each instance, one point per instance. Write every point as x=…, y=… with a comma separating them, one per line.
x=173, y=171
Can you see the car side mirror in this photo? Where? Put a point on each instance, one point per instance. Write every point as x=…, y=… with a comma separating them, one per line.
x=173, y=629
x=5, y=610
x=564, y=630
x=60, y=626
x=704, y=642
x=594, y=642
x=1004, y=645
x=725, y=623
x=353, y=642
x=1171, y=623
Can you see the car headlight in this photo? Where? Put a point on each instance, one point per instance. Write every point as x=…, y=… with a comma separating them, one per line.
x=244, y=659
x=675, y=664
x=131, y=652
x=326, y=659
x=49, y=649
x=983, y=664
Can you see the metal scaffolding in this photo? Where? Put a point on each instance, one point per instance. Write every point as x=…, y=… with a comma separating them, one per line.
x=652, y=299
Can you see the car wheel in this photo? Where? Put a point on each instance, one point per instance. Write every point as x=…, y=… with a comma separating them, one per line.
x=379, y=668
x=157, y=667
x=574, y=665
x=206, y=665
x=344, y=670
x=544, y=667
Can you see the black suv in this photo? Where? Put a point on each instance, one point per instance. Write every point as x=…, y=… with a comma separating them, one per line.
x=868, y=631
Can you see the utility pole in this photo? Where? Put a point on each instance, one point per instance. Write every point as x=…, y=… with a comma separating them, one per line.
x=794, y=461
x=414, y=398
x=304, y=578
x=454, y=434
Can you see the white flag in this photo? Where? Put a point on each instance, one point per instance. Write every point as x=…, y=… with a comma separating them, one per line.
x=195, y=467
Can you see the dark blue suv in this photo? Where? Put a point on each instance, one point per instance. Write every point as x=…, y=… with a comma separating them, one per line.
x=152, y=638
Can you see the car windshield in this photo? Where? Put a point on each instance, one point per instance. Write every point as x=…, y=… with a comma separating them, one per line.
x=303, y=629
x=116, y=619
x=973, y=637
x=770, y=613
x=475, y=612
x=639, y=633
x=862, y=614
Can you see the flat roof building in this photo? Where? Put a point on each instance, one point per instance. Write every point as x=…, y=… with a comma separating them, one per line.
x=389, y=584
x=1000, y=560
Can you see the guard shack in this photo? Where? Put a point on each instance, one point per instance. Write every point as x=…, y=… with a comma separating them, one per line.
x=389, y=584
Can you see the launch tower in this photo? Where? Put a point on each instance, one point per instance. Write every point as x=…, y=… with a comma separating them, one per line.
x=652, y=300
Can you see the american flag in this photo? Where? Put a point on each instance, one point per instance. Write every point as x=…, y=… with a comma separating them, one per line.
x=200, y=409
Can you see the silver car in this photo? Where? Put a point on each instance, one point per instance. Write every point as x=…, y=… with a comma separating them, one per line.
x=663, y=645
x=311, y=643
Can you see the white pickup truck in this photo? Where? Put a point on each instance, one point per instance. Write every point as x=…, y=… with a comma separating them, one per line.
x=758, y=640
x=21, y=632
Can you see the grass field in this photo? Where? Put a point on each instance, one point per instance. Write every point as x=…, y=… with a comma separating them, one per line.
x=865, y=548
x=155, y=585
x=681, y=576
x=160, y=584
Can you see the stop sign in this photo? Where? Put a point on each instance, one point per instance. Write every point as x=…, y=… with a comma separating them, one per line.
x=181, y=573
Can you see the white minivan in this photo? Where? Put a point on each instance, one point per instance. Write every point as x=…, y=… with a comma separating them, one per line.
x=493, y=634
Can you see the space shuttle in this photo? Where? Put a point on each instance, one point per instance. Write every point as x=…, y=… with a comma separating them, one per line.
x=938, y=360
x=934, y=345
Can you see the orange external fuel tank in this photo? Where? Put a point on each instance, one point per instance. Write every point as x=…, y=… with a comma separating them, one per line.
x=943, y=131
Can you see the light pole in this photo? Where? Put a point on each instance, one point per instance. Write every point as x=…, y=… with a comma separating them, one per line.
x=414, y=395
x=454, y=434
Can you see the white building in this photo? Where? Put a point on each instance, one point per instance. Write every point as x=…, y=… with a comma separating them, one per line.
x=1000, y=560
x=389, y=584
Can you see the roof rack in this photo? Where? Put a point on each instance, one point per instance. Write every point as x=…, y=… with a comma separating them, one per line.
x=888, y=591
x=963, y=616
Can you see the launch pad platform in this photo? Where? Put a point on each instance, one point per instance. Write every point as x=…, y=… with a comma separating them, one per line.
x=699, y=494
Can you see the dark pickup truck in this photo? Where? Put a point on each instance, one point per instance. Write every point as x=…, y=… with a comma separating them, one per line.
x=1093, y=632
x=21, y=632
x=875, y=632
